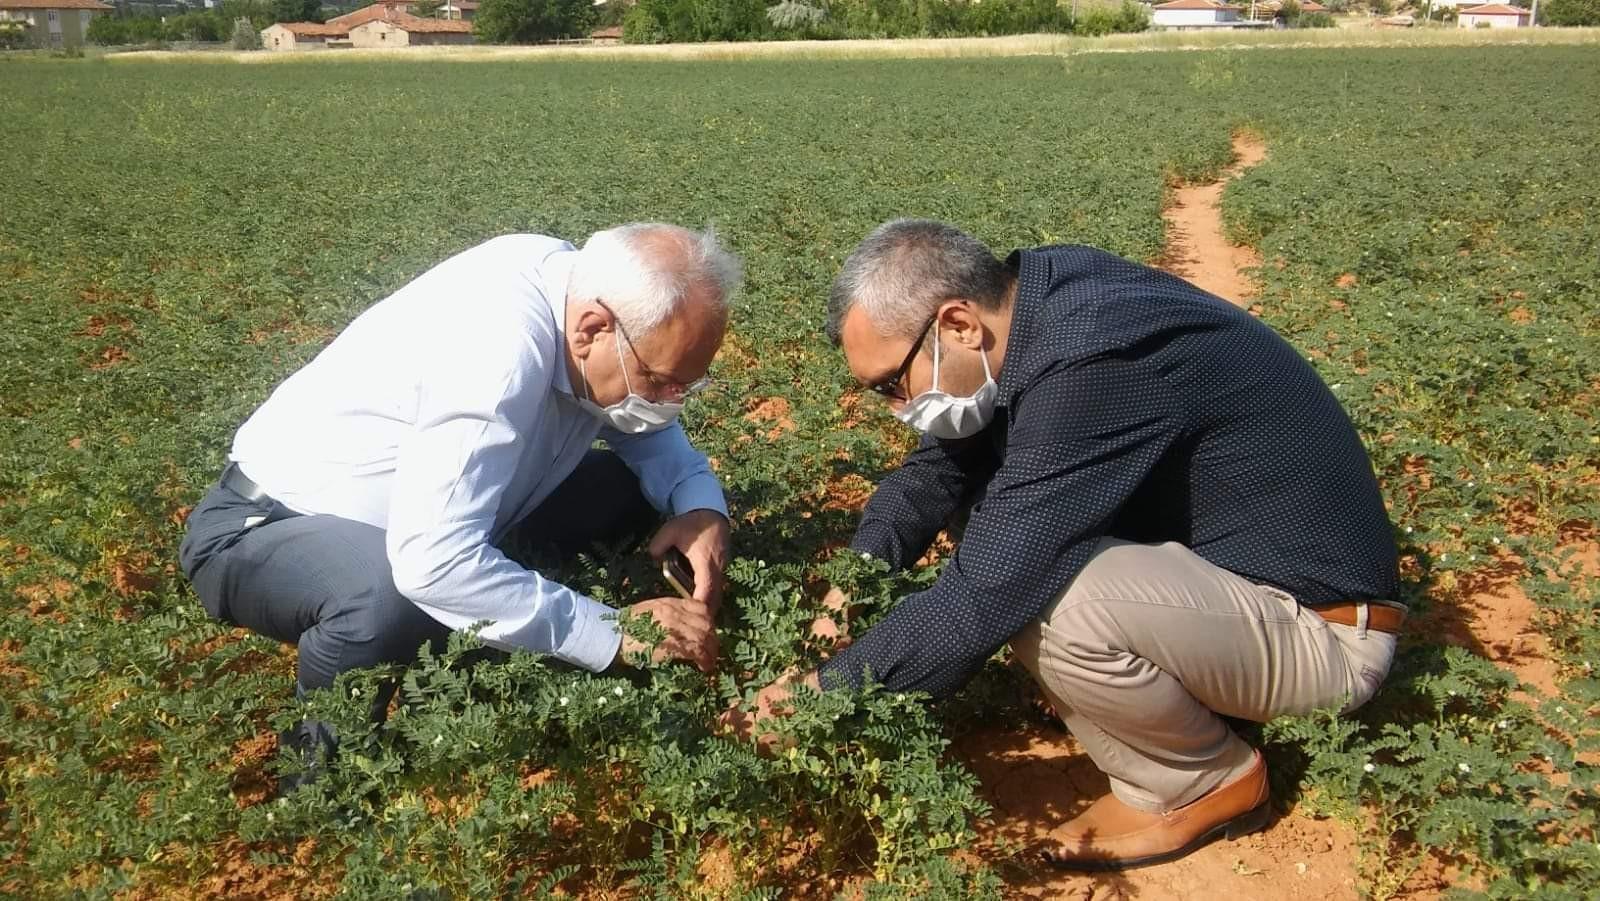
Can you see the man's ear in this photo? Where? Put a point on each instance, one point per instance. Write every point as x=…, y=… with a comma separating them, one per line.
x=591, y=322
x=959, y=321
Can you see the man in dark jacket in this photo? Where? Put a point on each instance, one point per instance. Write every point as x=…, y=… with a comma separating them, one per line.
x=1170, y=519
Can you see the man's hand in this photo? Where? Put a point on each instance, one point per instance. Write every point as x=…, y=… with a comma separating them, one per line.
x=702, y=536
x=690, y=635
x=832, y=626
x=772, y=701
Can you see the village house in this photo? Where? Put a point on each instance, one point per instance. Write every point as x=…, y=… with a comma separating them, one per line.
x=410, y=31
x=1187, y=15
x=1494, y=15
x=52, y=23
x=388, y=23
x=299, y=35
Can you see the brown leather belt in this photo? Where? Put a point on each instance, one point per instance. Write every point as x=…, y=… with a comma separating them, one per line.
x=1380, y=618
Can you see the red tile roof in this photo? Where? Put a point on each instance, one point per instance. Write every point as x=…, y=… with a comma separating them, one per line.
x=54, y=4
x=613, y=32
x=1312, y=6
x=432, y=26
x=1194, y=4
x=386, y=10
x=415, y=25
x=314, y=29
x=1494, y=9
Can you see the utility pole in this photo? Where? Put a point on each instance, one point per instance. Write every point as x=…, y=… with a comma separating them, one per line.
x=1533, y=20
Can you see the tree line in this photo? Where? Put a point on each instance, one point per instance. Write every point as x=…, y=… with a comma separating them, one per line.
x=688, y=21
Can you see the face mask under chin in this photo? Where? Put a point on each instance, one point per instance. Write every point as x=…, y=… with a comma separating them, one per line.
x=935, y=413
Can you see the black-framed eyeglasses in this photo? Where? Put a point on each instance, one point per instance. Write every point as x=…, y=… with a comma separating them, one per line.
x=890, y=387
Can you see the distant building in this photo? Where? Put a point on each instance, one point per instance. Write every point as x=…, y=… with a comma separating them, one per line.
x=612, y=35
x=53, y=23
x=410, y=31
x=384, y=9
x=464, y=10
x=387, y=23
x=299, y=35
x=1185, y=15
x=1494, y=15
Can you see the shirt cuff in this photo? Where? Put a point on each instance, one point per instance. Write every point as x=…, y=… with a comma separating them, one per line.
x=837, y=673
x=700, y=491
x=878, y=540
x=594, y=639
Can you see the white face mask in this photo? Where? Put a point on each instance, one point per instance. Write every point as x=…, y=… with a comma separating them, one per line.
x=936, y=413
x=633, y=415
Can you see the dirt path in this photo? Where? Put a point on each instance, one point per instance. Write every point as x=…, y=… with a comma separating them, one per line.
x=1196, y=246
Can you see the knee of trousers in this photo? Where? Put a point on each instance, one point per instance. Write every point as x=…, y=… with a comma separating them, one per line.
x=1027, y=645
x=377, y=628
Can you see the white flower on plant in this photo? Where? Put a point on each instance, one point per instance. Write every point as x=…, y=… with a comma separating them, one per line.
x=601, y=701
x=1463, y=768
x=1408, y=530
x=617, y=691
x=438, y=739
x=1368, y=768
x=1503, y=725
x=565, y=700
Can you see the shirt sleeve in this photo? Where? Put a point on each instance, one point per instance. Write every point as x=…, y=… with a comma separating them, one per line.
x=674, y=477
x=450, y=477
x=1083, y=437
x=918, y=499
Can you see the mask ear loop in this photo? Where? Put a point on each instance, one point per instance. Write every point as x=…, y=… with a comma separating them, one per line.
x=936, y=355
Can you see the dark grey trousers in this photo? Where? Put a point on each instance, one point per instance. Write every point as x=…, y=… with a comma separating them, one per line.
x=324, y=582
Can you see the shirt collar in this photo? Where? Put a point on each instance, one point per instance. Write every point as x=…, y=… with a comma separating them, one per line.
x=555, y=272
x=1032, y=275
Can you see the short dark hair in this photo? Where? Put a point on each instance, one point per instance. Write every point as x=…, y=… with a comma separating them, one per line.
x=902, y=271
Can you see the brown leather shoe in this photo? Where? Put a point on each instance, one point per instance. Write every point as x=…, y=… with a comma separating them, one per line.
x=1110, y=835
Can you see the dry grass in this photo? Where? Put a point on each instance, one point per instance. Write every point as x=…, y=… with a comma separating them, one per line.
x=1018, y=45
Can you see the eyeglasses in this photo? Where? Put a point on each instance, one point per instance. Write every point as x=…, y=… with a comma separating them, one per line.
x=890, y=387
x=666, y=388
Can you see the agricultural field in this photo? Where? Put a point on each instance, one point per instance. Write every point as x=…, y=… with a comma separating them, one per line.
x=175, y=238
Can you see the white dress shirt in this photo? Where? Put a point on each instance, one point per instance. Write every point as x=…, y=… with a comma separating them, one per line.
x=444, y=415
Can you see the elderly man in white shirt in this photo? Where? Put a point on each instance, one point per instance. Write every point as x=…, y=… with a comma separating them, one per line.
x=365, y=504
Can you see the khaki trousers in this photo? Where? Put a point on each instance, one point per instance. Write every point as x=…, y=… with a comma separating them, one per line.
x=1150, y=643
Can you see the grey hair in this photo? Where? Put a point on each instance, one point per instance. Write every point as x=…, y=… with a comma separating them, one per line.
x=645, y=271
x=906, y=268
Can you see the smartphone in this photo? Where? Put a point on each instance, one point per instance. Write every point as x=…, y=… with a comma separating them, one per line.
x=679, y=574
